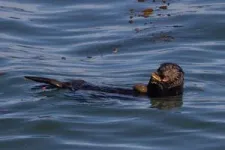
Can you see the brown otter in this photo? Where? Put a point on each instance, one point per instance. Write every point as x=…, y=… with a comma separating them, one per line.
x=167, y=80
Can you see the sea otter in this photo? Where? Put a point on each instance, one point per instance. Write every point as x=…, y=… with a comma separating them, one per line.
x=167, y=80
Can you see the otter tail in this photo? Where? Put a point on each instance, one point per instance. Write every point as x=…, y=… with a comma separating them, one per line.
x=52, y=82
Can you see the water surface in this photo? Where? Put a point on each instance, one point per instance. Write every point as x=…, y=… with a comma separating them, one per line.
x=115, y=43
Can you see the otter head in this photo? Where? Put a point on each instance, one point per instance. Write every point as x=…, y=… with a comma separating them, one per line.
x=167, y=80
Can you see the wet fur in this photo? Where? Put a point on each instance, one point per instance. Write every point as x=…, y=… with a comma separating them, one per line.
x=173, y=87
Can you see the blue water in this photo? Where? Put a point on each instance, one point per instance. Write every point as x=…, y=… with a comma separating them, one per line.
x=115, y=43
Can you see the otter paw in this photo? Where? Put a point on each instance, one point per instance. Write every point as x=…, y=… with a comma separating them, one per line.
x=140, y=88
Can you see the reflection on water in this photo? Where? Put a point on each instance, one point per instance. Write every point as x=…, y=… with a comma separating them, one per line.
x=167, y=102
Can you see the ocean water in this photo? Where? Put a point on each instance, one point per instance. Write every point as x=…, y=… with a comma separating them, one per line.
x=114, y=43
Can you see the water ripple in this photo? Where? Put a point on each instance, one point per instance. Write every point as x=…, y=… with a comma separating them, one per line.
x=114, y=43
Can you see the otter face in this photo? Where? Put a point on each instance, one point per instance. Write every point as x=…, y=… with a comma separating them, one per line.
x=168, y=80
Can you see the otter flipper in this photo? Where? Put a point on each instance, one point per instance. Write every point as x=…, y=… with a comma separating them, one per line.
x=53, y=82
x=74, y=85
